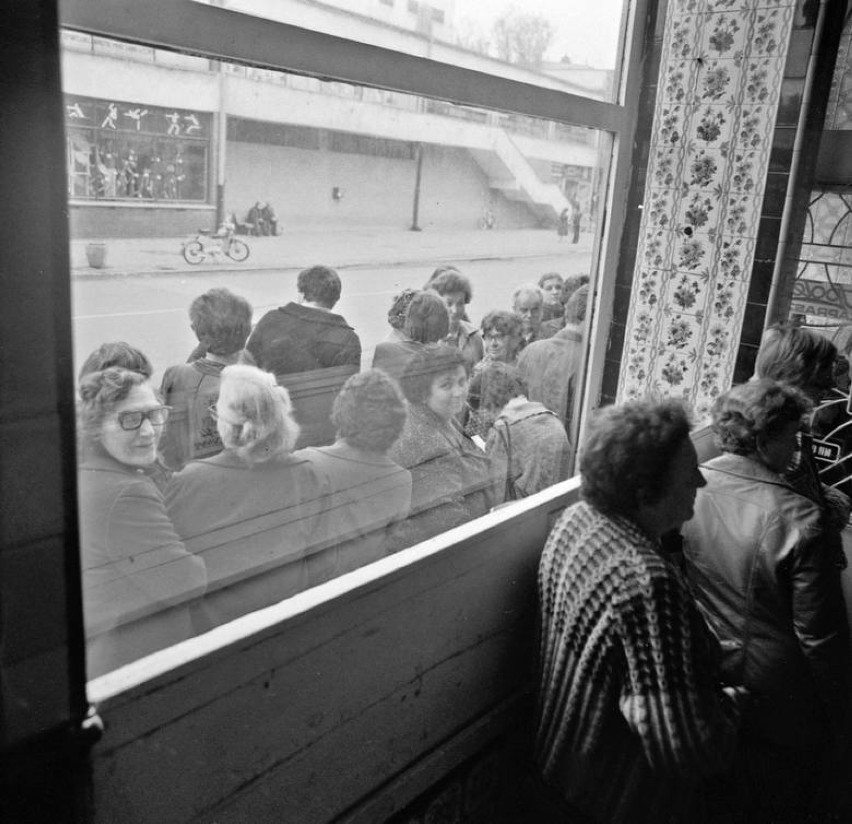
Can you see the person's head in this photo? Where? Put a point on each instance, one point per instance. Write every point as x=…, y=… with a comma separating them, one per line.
x=527, y=303
x=501, y=334
x=571, y=284
x=254, y=414
x=116, y=353
x=760, y=419
x=120, y=410
x=455, y=290
x=575, y=308
x=495, y=384
x=320, y=285
x=551, y=287
x=799, y=357
x=369, y=411
x=436, y=377
x=221, y=321
x=396, y=314
x=427, y=320
x=638, y=462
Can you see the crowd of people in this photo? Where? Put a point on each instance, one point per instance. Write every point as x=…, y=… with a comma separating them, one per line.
x=268, y=462
x=695, y=650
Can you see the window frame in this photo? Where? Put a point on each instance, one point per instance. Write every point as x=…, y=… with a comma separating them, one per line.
x=218, y=33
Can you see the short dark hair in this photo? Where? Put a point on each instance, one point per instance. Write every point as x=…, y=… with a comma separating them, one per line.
x=755, y=411
x=627, y=454
x=425, y=366
x=396, y=313
x=496, y=383
x=571, y=284
x=319, y=284
x=550, y=276
x=100, y=393
x=427, y=319
x=449, y=280
x=504, y=322
x=794, y=355
x=575, y=308
x=369, y=411
x=116, y=353
x=221, y=321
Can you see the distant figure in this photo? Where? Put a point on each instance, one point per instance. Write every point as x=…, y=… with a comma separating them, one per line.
x=368, y=494
x=528, y=303
x=551, y=287
x=252, y=512
x=527, y=444
x=551, y=367
x=451, y=477
x=457, y=292
x=140, y=585
x=563, y=223
x=221, y=321
x=762, y=572
x=632, y=715
x=576, y=218
x=256, y=219
x=310, y=349
x=426, y=321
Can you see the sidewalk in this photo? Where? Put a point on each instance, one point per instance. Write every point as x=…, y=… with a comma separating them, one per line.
x=338, y=248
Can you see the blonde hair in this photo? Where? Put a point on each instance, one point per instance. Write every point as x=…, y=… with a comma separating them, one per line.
x=255, y=414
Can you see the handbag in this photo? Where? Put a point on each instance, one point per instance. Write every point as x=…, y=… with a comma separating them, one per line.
x=505, y=432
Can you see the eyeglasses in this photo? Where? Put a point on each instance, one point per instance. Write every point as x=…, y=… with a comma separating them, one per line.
x=131, y=420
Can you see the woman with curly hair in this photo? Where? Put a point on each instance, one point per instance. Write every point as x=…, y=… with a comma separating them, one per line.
x=139, y=582
x=757, y=554
x=367, y=493
x=632, y=713
x=253, y=511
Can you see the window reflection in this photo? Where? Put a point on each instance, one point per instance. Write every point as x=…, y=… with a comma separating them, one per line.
x=440, y=244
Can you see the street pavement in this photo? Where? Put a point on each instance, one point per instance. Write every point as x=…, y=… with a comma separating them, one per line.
x=338, y=248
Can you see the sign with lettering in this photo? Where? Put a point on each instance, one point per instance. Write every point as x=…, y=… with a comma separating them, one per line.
x=822, y=299
x=826, y=451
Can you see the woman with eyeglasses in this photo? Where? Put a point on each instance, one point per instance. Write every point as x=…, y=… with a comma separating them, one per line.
x=139, y=582
x=254, y=511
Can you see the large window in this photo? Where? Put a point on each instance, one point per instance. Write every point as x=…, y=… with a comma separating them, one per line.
x=195, y=515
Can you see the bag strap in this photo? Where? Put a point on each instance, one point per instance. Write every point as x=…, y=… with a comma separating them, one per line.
x=510, y=493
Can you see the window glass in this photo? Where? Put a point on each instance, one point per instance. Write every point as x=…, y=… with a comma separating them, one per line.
x=573, y=46
x=278, y=235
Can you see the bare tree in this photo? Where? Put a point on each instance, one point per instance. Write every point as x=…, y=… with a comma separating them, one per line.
x=522, y=38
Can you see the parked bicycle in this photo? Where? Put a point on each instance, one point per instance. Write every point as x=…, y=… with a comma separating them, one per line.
x=215, y=245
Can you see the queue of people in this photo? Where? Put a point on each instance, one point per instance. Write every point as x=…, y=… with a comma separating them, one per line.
x=268, y=463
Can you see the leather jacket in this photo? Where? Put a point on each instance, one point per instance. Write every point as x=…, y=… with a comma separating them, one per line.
x=767, y=577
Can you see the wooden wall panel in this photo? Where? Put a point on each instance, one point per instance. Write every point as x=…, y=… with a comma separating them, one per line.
x=343, y=691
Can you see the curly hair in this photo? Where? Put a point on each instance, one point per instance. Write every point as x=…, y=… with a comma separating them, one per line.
x=255, y=414
x=319, y=284
x=794, y=355
x=495, y=384
x=116, y=353
x=221, y=321
x=369, y=411
x=429, y=363
x=100, y=393
x=627, y=454
x=396, y=313
x=446, y=280
x=503, y=322
x=756, y=412
x=427, y=319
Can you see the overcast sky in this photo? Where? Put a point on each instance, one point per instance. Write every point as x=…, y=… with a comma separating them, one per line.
x=586, y=30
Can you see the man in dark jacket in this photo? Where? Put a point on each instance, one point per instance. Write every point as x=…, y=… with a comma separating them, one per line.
x=310, y=349
x=304, y=336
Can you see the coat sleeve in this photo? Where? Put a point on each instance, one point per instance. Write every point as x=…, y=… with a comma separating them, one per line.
x=671, y=698
x=146, y=569
x=820, y=623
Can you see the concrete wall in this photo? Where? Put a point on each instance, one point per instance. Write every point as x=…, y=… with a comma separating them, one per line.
x=122, y=220
x=378, y=191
